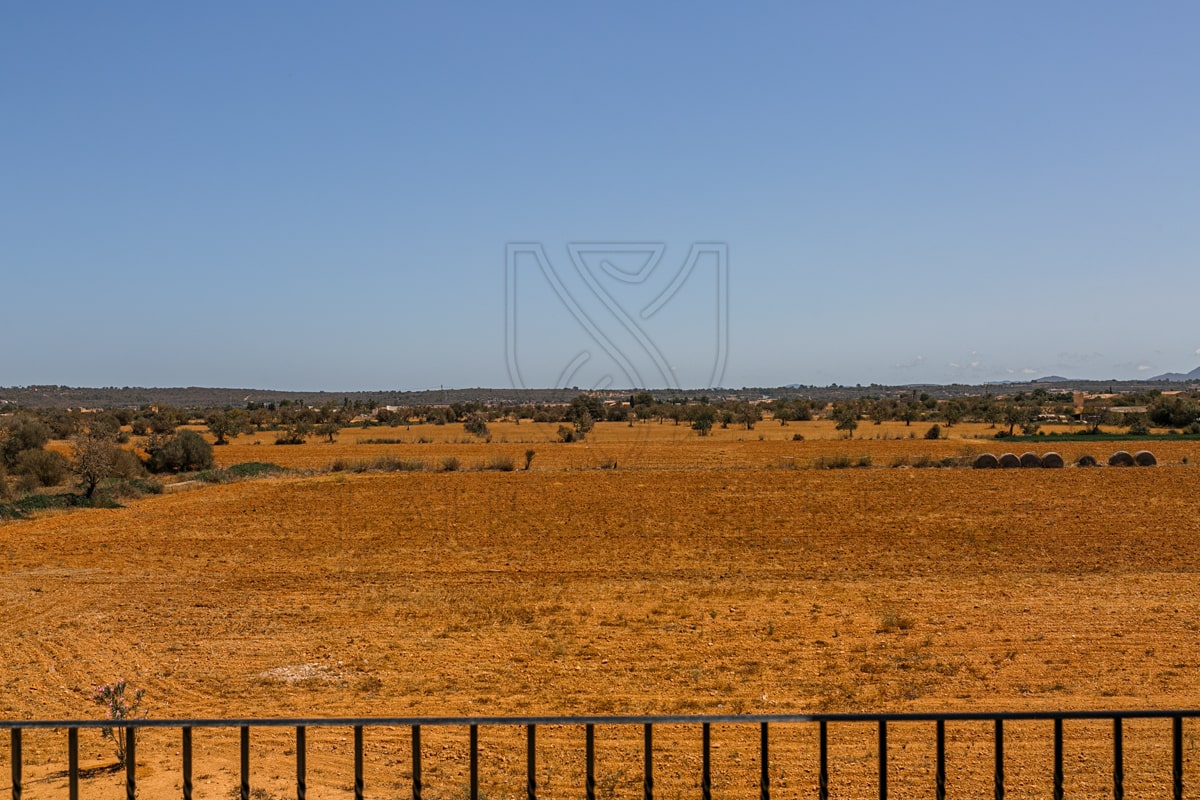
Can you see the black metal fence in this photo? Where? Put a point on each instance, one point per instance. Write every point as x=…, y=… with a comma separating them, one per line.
x=765, y=725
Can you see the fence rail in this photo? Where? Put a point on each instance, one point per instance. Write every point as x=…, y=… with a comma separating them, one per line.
x=647, y=724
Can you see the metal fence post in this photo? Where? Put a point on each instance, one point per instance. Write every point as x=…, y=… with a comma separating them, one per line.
x=130, y=764
x=73, y=763
x=15, y=756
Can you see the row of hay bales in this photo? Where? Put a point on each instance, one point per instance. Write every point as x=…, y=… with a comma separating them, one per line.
x=1121, y=458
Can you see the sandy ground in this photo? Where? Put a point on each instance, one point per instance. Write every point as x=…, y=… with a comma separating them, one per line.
x=712, y=575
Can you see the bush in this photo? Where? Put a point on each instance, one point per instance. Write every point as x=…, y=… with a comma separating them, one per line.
x=137, y=487
x=47, y=468
x=501, y=464
x=24, y=434
x=934, y=432
x=832, y=462
x=451, y=464
x=4, y=492
x=185, y=451
x=476, y=425
x=127, y=466
x=251, y=469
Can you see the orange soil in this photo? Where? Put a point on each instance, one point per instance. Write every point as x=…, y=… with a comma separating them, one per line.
x=698, y=577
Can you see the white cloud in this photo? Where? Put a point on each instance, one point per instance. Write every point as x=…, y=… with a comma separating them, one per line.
x=1198, y=351
x=1143, y=367
x=955, y=365
x=916, y=362
x=1028, y=371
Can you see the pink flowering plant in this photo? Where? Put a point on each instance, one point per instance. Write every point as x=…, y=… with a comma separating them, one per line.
x=121, y=702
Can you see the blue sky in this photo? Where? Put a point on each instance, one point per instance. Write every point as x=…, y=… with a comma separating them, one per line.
x=318, y=196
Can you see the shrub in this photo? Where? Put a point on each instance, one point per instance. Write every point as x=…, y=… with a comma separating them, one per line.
x=185, y=451
x=120, y=702
x=934, y=432
x=566, y=434
x=23, y=435
x=47, y=468
x=892, y=620
x=127, y=466
x=137, y=487
x=252, y=469
x=4, y=491
x=797, y=437
x=500, y=464
x=451, y=464
x=529, y=454
x=476, y=425
x=831, y=462
x=393, y=464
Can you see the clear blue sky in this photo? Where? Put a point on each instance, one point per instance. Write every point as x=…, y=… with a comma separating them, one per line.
x=320, y=196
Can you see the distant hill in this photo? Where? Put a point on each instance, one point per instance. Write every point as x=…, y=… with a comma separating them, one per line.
x=1052, y=379
x=1194, y=375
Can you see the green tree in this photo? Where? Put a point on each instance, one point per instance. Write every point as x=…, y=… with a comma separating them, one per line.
x=641, y=399
x=703, y=418
x=991, y=414
x=329, y=429
x=223, y=424
x=747, y=414
x=184, y=451
x=584, y=422
x=952, y=412
x=1014, y=415
x=583, y=413
x=847, y=419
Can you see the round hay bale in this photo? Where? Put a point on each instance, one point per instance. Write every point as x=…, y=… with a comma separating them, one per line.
x=1052, y=461
x=1121, y=458
x=985, y=461
x=1144, y=458
x=1009, y=461
x=1086, y=461
x=1029, y=460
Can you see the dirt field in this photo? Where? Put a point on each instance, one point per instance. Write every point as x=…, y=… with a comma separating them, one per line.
x=702, y=575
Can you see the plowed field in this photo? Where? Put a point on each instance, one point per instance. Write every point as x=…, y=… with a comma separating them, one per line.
x=700, y=575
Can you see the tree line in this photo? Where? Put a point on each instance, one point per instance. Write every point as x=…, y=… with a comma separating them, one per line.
x=101, y=441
